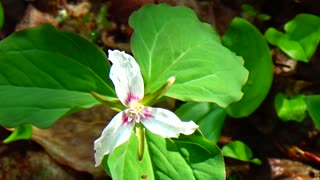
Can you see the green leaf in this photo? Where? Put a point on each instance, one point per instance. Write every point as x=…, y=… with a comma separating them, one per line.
x=301, y=37
x=290, y=109
x=313, y=105
x=1, y=16
x=239, y=150
x=171, y=41
x=201, y=158
x=45, y=74
x=245, y=40
x=208, y=116
x=188, y=157
x=123, y=163
x=23, y=131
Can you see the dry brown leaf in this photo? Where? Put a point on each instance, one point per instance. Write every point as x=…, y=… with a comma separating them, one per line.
x=288, y=169
x=33, y=18
x=78, y=10
x=25, y=160
x=70, y=140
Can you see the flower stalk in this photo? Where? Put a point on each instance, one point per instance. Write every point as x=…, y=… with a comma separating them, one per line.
x=140, y=133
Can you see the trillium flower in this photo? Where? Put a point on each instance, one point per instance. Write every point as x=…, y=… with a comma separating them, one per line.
x=127, y=79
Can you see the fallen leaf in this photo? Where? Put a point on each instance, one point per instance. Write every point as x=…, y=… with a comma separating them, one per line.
x=70, y=140
x=287, y=169
x=26, y=160
x=33, y=17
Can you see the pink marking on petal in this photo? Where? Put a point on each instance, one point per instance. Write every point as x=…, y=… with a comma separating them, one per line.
x=147, y=113
x=125, y=118
x=131, y=97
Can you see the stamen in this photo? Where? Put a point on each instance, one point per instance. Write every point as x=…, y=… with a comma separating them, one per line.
x=142, y=115
x=136, y=111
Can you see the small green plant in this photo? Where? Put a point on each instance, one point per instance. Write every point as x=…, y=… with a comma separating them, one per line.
x=301, y=37
x=290, y=109
x=299, y=42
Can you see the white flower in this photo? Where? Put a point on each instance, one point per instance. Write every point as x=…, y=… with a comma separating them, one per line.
x=126, y=77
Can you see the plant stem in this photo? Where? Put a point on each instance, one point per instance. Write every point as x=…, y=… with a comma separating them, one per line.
x=140, y=133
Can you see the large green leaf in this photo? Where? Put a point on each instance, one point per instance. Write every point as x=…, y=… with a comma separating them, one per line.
x=208, y=116
x=45, y=74
x=245, y=40
x=171, y=41
x=301, y=38
x=188, y=157
x=313, y=105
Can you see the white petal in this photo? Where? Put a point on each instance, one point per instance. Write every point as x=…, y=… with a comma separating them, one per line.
x=126, y=76
x=116, y=133
x=166, y=124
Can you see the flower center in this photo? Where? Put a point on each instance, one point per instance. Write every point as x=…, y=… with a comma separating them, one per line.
x=135, y=111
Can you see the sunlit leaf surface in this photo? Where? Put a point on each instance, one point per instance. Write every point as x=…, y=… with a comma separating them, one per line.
x=171, y=41
x=290, y=109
